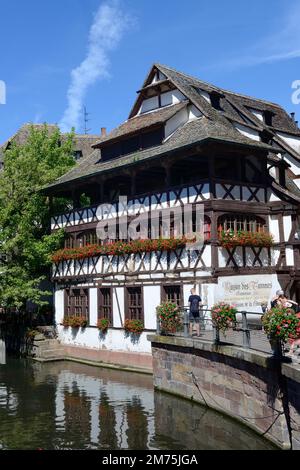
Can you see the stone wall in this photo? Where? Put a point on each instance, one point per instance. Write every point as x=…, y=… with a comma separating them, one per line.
x=247, y=385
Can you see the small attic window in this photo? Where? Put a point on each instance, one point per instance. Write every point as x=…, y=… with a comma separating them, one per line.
x=268, y=118
x=215, y=100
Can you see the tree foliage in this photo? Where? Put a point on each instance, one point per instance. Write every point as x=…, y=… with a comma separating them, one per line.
x=25, y=240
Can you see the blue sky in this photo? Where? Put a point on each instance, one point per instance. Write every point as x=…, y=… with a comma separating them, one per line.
x=248, y=47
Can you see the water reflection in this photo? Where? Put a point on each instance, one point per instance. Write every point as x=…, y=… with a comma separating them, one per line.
x=73, y=406
x=2, y=352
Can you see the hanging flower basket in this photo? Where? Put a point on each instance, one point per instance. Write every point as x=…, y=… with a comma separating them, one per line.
x=134, y=326
x=223, y=316
x=75, y=322
x=231, y=239
x=103, y=324
x=169, y=317
x=281, y=323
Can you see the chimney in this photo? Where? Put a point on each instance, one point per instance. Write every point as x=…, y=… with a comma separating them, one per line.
x=293, y=116
x=103, y=131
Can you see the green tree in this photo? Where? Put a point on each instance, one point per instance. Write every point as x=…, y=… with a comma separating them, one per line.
x=25, y=240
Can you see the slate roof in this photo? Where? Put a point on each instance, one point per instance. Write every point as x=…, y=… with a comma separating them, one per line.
x=193, y=132
x=215, y=125
x=143, y=121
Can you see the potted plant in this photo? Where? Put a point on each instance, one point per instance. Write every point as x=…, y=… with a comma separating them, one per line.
x=103, y=324
x=134, y=326
x=281, y=325
x=169, y=317
x=223, y=316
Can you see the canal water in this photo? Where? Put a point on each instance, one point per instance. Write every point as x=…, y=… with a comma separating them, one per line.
x=66, y=405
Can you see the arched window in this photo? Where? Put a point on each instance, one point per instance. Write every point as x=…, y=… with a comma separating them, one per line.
x=241, y=222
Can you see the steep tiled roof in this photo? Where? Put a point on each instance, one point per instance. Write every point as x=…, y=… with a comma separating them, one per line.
x=191, y=133
x=143, y=121
x=215, y=124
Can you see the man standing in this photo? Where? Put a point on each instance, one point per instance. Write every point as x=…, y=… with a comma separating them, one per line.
x=194, y=304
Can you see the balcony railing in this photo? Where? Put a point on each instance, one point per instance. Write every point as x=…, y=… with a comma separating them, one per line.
x=179, y=195
x=247, y=332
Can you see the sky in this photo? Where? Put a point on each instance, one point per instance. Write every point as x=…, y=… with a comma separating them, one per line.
x=61, y=55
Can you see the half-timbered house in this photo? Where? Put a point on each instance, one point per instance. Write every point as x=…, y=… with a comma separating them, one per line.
x=184, y=142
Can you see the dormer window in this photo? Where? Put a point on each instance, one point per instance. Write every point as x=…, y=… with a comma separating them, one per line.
x=133, y=144
x=215, y=99
x=268, y=118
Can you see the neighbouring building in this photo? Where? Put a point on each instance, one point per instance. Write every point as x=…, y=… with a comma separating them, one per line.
x=82, y=142
x=185, y=142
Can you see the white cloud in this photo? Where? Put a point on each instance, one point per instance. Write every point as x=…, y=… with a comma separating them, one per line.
x=108, y=27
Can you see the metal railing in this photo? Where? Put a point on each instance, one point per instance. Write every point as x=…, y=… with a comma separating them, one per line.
x=246, y=332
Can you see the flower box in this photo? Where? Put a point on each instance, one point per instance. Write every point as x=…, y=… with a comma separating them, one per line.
x=103, y=324
x=75, y=322
x=134, y=326
x=119, y=249
x=231, y=239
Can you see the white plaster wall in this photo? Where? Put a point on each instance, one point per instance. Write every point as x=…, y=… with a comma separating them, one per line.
x=272, y=196
x=258, y=114
x=187, y=292
x=287, y=226
x=118, y=307
x=291, y=140
x=289, y=256
x=274, y=227
x=93, y=306
x=194, y=113
x=151, y=301
x=59, y=305
x=207, y=256
x=295, y=165
x=275, y=253
x=115, y=340
x=247, y=131
x=149, y=104
x=204, y=95
x=176, y=121
x=222, y=257
x=172, y=97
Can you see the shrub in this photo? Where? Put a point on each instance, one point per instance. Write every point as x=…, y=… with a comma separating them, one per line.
x=223, y=316
x=281, y=323
x=169, y=317
x=133, y=326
